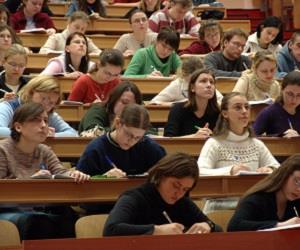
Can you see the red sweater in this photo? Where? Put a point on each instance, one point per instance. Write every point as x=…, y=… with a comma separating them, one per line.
x=85, y=89
x=198, y=47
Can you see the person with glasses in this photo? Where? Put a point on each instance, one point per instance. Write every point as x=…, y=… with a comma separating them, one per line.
x=102, y=79
x=272, y=202
x=31, y=17
x=44, y=90
x=161, y=206
x=229, y=62
x=283, y=117
x=125, y=150
x=233, y=147
x=12, y=79
x=140, y=37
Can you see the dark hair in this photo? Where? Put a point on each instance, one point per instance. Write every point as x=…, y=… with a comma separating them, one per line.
x=143, y=6
x=111, y=56
x=207, y=25
x=117, y=93
x=169, y=36
x=294, y=36
x=292, y=78
x=14, y=37
x=136, y=116
x=4, y=9
x=133, y=12
x=275, y=181
x=222, y=127
x=178, y=165
x=190, y=65
x=212, y=105
x=228, y=35
x=84, y=64
x=25, y=113
x=97, y=6
x=78, y=15
x=271, y=21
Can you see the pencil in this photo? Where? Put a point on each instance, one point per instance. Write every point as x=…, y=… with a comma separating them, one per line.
x=196, y=127
x=167, y=217
x=296, y=212
x=110, y=162
x=72, y=67
x=245, y=65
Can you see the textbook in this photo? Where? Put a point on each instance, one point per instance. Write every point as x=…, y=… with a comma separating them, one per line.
x=280, y=228
x=35, y=30
x=53, y=176
x=267, y=101
x=66, y=102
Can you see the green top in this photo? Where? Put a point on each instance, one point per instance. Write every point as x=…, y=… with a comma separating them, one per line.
x=145, y=61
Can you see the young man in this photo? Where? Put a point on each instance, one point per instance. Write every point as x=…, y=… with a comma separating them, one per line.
x=229, y=62
x=159, y=59
x=288, y=58
x=178, y=16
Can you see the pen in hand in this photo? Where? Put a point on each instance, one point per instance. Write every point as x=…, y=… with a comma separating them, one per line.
x=72, y=67
x=167, y=217
x=110, y=162
x=296, y=212
x=98, y=98
x=290, y=124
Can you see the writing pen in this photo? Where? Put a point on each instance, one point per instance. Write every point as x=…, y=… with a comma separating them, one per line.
x=154, y=69
x=72, y=67
x=98, y=98
x=43, y=166
x=3, y=91
x=245, y=65
x=167, y=217
x=296, y=212
x=290, y=124
x=110, y=162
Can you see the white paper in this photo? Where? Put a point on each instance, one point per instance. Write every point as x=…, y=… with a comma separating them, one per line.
x=281, y=228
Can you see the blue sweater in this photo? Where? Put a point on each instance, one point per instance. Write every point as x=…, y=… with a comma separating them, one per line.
x=136, y=160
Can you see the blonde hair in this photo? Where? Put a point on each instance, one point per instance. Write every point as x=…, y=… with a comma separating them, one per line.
x=15, y=49
x=261, y=56
x=40, y=83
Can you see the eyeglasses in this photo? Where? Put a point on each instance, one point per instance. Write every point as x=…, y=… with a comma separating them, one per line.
x=129, y=135
x=140, y=20
x=297, y=182
x=16, y=66
x=109, y=74
x=238, y=45
x=291, y=95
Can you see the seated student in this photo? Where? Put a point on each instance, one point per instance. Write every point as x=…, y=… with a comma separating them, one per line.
x=15, y=5
x=77, y=22
x=30, y=17
x=100, y=116
x=197, y=117
x=159, y=59
x=41, y=89
x=229, y=62
x=23, y=156
x=93, y=8
x=272, y=202
x=259, y=82
x=283, y=117
x=268, y=37
x=147, y=6
x=12, y=79
x=96, y=85
x=74, y=62
x=4, y=15
x=288, y=57
x=125, y=150
x=210, y=36
x=160, y=206
x=233, y=148
x=177, y=16
x=141, y=36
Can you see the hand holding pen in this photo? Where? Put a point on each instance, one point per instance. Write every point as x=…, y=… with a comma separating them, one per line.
x=43, y=170
x=238, y=166
x=204, y=132
x=169, y=228
x=291, y=132
x=8, y=95
x=155, y=72
x=115, y=171
x=292, y=221
x=74, y=74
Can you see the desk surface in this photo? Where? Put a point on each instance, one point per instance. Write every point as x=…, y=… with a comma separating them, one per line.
x=107, y=190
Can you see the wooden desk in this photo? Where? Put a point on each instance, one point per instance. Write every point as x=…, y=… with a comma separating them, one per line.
x=283, y=240
x=73, y=147
x=108, y=190
x=59, y=9
x=197, y=10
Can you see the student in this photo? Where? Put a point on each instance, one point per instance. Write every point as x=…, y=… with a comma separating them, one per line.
x=233, y=147
x=268, y=36
x=93, y=8
x=15, y=5
x=272, y=202
x=11, y=79
x=159, y=59
x=177, y=16
x=229, y=62
x=74, y=62
x=259, y=83
x=4, y=15
x=96, y=85
x=210, y=35
x=41, y=89
x=125, y=150
x=283, y=117
x=23, y=156
x=141, y=37
x=197, y=117
x=77, y=22
x=102, y=115
x=288, y=58
x=161, y=206
x=30, y=17
x=147, y=6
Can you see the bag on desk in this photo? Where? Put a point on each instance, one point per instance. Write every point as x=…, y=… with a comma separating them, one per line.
x=212, y=14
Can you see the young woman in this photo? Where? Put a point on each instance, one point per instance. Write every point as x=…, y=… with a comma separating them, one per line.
x=125, y=150
x=74, y=62
x=30, y=17
x=23, y=156
x=147, y=6
x=77, y=22
x=93, y=8
x=160, y=206
x=268, y=36
x=4, y=15
x=283, y=117
x=102, y=115
x=159, y=59
x=140, y=37
x=210, y=36
x=96, y=85
x=197, y=117
x=259, y=83
x=11, y=79
x=273, y=202
x=41, y=89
